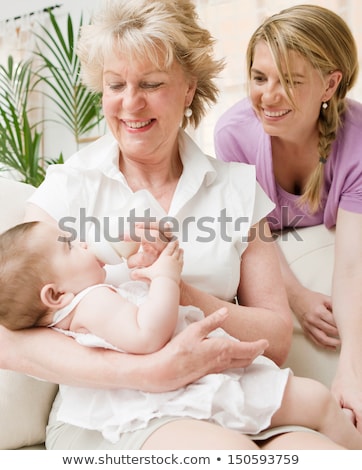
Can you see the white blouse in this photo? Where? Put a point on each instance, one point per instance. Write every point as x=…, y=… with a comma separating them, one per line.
x=212, y=210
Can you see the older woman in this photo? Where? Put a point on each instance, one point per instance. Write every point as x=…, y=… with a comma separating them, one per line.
x=153, y=64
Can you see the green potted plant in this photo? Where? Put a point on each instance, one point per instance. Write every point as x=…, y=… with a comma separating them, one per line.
x=77, y=108
x=20, y=139
x=54, y=73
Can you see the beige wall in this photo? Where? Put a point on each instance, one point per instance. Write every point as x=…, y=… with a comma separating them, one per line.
x=231, y=22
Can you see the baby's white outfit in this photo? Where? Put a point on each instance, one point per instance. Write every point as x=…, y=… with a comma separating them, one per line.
x=240, y=399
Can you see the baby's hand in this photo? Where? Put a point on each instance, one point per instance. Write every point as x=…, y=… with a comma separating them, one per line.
x=168, y=264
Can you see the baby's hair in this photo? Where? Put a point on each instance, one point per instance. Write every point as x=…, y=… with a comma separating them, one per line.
x=22, y=270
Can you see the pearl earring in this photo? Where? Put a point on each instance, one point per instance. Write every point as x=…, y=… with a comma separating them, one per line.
x=325, y=105
x=188, y=112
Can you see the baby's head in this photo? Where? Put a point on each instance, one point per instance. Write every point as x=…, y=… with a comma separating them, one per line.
x=24, y=268
x=41, y=271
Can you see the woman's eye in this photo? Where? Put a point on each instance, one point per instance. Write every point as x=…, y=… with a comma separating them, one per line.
x=292, y=83
x=151, y=85
x=142, y=86
x=258, y=79
x=115, y=86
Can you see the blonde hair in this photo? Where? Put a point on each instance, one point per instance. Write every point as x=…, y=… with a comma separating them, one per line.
x=323, y=38
x=143, y=28
x=22, y=270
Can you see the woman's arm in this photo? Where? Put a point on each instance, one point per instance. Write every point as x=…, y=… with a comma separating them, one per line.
x=312, y=309
x=54, y=357
x=263, y=311
x=347, y=309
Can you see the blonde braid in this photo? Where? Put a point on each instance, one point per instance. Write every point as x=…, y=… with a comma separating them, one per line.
x=329, y=122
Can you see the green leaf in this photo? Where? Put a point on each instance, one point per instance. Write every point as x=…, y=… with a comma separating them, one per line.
x=77, y=107
x=57, y=78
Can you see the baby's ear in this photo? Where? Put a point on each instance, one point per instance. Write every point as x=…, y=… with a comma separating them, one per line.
x=53, y=298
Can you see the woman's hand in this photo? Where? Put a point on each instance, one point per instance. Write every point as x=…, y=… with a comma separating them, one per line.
x=153, y=237
x=346, y=388
x=192, y=355
x=314, y=312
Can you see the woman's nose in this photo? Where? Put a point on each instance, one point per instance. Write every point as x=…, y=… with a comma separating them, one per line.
x=271, y=92
x=133, y=99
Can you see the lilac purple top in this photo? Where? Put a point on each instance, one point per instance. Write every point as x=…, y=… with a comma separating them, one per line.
x=240, y=137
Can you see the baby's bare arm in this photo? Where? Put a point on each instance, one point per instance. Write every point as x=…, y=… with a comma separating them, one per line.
x=136, y=329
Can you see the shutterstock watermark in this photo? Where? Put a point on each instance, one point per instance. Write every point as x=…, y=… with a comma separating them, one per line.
x=203, y=229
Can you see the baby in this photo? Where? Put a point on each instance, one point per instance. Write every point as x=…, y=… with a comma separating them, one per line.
x=46, y=280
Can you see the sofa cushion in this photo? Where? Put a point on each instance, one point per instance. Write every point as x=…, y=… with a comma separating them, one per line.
x=25, y=402
x=25, y=405
x=309, y=252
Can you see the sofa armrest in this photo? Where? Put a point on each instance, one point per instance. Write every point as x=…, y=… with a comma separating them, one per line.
x=25, y=402
x=13, y=195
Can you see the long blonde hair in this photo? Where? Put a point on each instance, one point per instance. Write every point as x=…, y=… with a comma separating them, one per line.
x=324, y=39
x=141, y=29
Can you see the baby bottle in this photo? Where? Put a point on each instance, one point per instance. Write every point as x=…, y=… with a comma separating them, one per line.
x=113, y=252
x=105, y=243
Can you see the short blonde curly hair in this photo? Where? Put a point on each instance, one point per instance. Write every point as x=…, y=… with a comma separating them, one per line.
x=140, y=29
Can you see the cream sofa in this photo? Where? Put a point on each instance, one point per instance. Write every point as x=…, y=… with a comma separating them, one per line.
x=25, y=402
